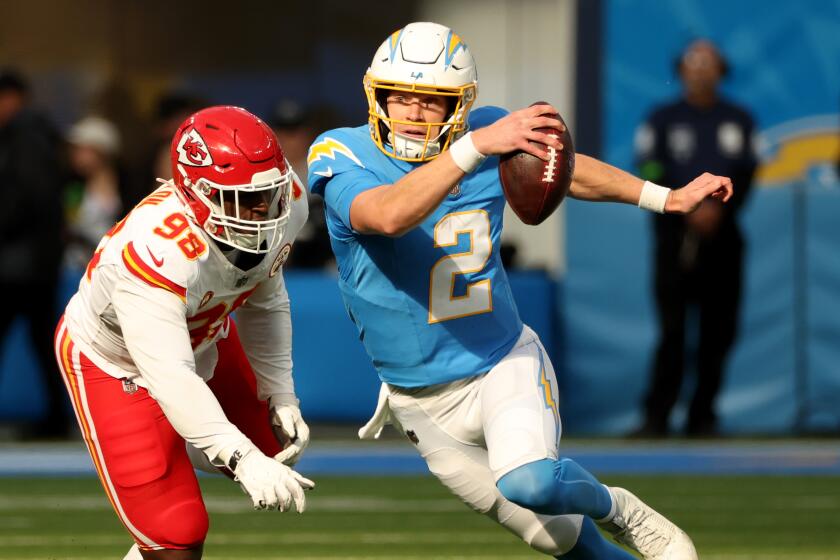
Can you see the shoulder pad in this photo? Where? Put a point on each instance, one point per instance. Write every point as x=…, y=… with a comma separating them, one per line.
x=300, y=210
x=333, y=152
x=298, y=189
x=484, y=116
x=164, y=250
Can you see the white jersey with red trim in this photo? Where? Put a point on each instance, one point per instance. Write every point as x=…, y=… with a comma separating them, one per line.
x=158, y=294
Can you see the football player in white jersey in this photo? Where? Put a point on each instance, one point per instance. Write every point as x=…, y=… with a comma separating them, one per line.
x=151, y=358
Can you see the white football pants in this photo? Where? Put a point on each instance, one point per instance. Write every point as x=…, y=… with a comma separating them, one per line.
x=473, y=431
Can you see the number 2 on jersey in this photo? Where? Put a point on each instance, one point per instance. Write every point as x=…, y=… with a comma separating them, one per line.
x=444, y=305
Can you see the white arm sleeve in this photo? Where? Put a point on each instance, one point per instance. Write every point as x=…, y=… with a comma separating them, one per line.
x=265, y=330
x=154, y=328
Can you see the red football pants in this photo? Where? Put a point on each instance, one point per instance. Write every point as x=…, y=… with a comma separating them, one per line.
x=140, y=459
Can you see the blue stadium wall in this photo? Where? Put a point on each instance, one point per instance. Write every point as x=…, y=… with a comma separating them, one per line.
x=783, y=375
x=334, y=377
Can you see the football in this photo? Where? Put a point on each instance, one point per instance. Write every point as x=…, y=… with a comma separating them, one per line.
x=535, y=188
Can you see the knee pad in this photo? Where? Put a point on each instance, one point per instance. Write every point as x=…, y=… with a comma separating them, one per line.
x=184, y=525
x=580, y=491
x=532, y=486
x=555, y=488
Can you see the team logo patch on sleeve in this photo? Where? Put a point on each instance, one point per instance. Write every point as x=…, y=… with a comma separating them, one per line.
x=330, y=148
x=192, y=150
x=281, y=259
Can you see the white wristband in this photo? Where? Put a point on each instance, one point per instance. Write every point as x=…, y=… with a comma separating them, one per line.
x=653, y=197
x=464, y=154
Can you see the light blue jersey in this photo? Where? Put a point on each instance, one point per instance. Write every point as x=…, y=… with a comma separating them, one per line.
x=433, y=305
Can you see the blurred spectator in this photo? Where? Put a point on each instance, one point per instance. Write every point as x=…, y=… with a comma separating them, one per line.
x=698, y=256
x=116, y=102
x=92, y=198
x=171, y=110
x=509, y=253
x=30, y=234
x=296, y=128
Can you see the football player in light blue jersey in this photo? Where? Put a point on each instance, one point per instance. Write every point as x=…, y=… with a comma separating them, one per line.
x=414, y=210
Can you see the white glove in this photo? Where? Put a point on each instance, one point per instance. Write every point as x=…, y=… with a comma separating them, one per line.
x=271, y=485
x=287, y=417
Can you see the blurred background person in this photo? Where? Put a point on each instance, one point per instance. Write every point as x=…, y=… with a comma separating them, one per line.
x=117, y=102
x=170, y=110
x=30, y=235
x=296, y=128
x=698, y=257
x=92, y=197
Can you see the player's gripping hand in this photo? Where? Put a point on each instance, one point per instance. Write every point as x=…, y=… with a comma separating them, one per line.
x=516, y=130
x=271, y=484
x=287, y=417
x=688, y=198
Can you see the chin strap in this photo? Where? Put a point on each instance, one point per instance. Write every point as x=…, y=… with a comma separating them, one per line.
x=407, y=147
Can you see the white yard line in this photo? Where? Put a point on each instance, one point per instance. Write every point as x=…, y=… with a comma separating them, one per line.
x=257, y=539
x=240, y=504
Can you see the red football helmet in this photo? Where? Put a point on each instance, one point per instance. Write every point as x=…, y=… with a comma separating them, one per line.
x=226, y=162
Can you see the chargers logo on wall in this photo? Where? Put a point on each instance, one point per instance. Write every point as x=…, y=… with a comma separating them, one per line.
x=193, y=151
x=789, y=150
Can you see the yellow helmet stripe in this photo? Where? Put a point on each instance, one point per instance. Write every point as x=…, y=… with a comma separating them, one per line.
x=394, y=41
x=453, y=43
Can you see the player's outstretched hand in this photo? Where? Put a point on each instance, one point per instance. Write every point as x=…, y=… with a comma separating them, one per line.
x=688, y=198
x=516, y=131
x=289, y=420
x=271, y=484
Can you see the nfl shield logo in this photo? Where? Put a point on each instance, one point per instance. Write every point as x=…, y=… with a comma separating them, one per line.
x=129, y=387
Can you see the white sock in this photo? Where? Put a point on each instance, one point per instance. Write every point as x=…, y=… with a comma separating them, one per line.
x=133, y=553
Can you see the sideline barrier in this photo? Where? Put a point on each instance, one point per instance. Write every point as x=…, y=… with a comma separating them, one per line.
x=333, y=375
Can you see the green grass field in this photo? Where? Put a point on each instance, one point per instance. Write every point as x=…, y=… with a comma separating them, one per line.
x=730, y=518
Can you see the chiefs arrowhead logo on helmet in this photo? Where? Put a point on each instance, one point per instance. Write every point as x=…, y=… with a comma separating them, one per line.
x=193, y=151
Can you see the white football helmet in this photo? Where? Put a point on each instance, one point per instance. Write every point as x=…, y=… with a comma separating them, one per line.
x=425, y=58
